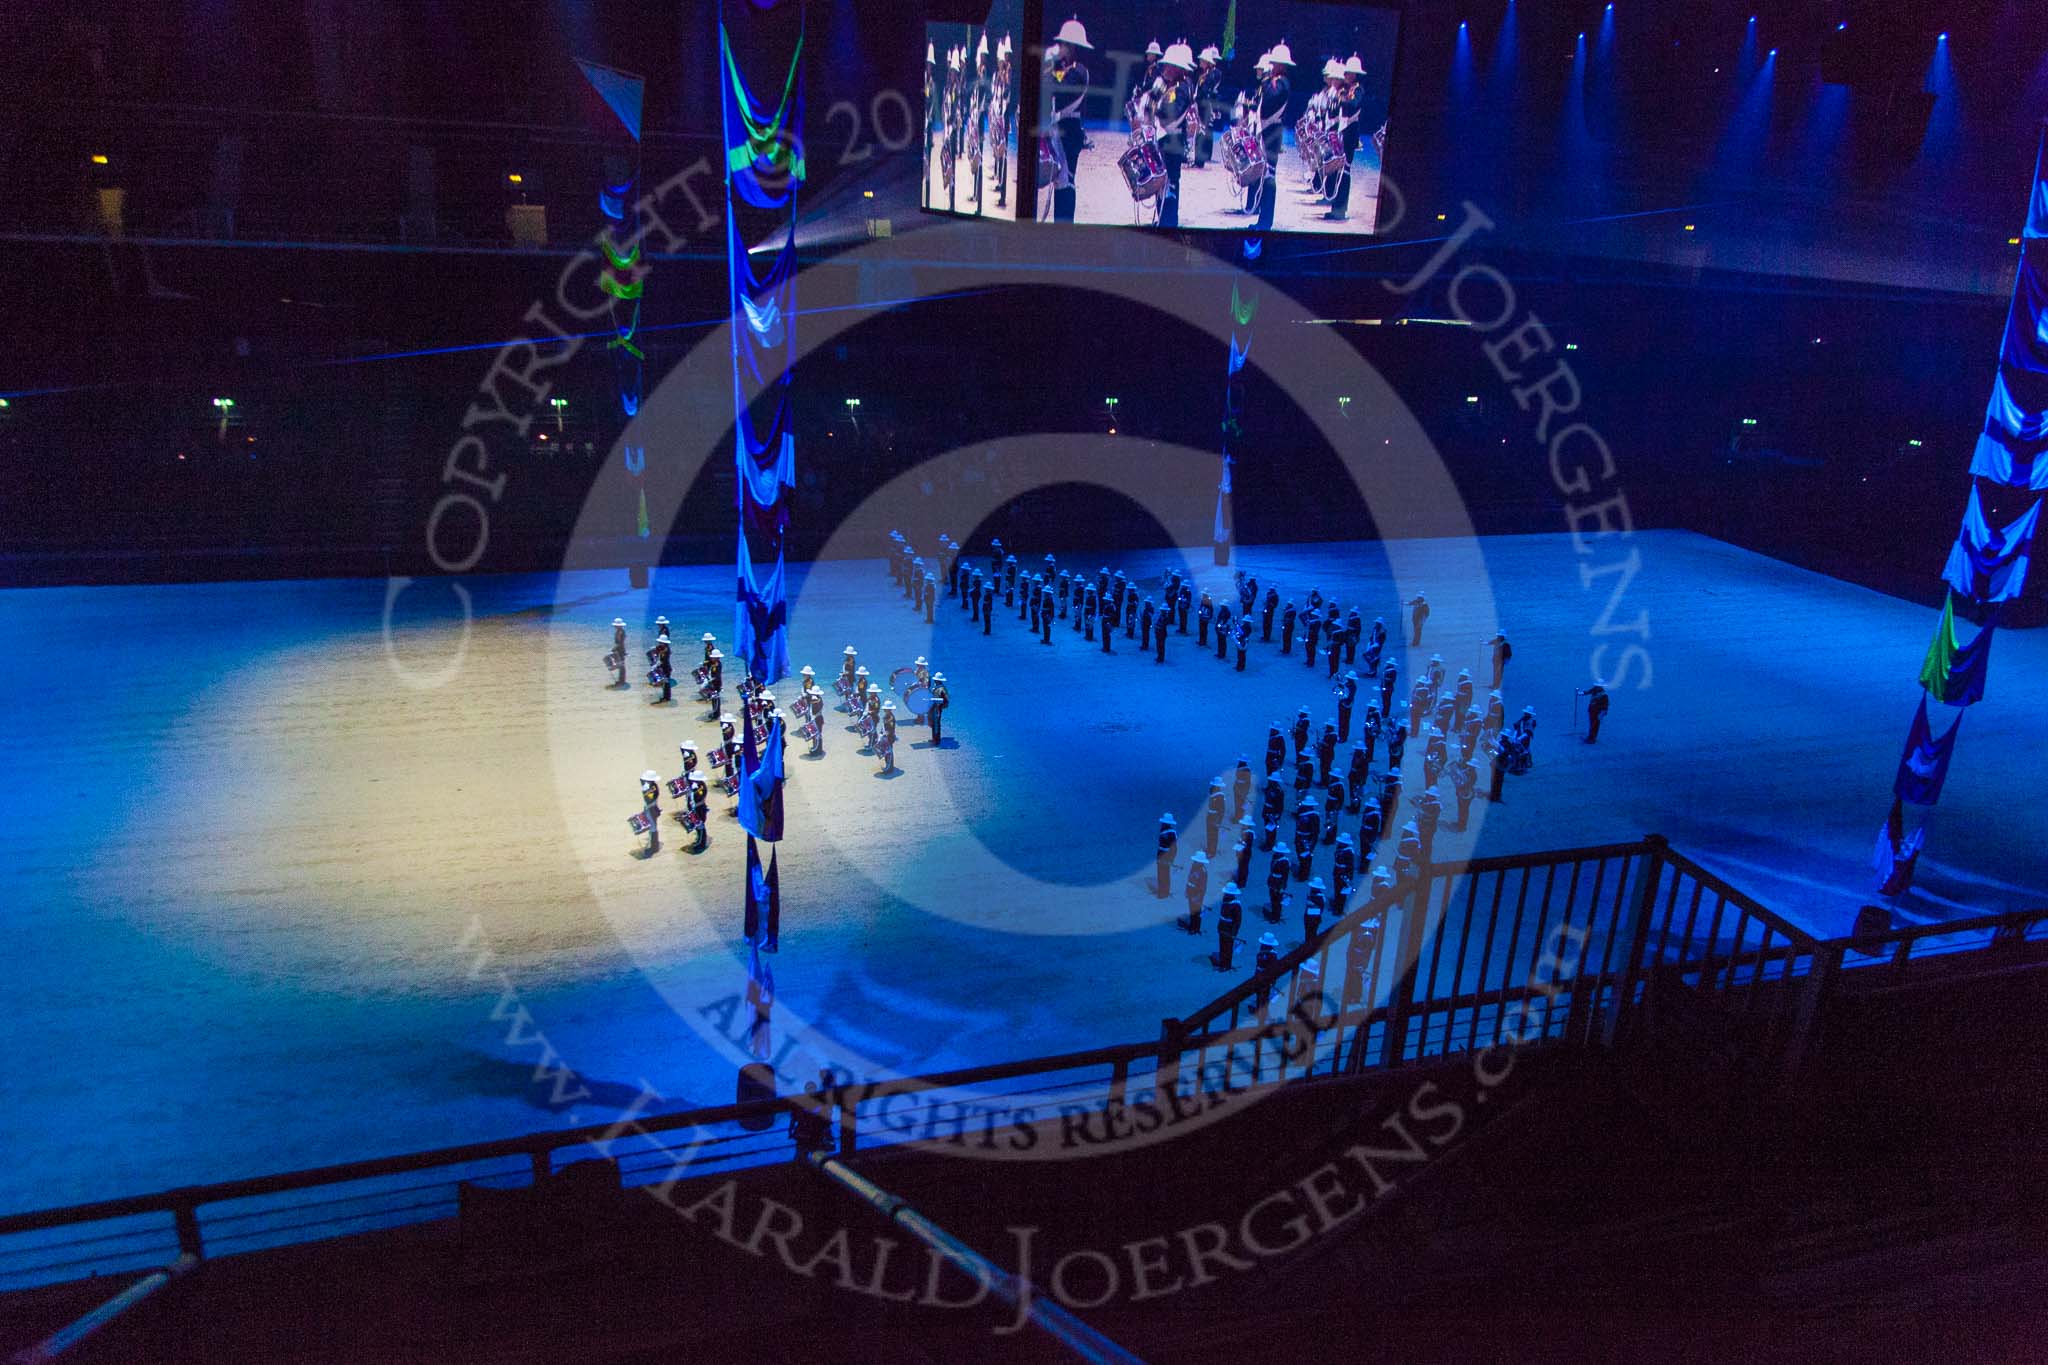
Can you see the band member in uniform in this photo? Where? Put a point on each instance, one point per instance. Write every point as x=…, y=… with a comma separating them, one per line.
x=1300, y=729
x=1276, y=748
x=1354, y=630
x=1311, y=633
x=1278, y=873
x=1390, y=795
x=1196, y=888
x=1326, y=752
x=935, y=716
x=1160, y=628
x=1397, y=741
x=1173, y=120
x=885, y=742
x=664, y=672
x=1371, y=821
x=1267, y=608
x=1360, y=771
x=1086, y=620
x=1247, y=841
x=1343, y=873
x=1500, y=770
x=1435, y=754
x=1108, y=623
x=1429, y=809
x=1287, y=619
x=988, y=606
x=661, y=629
x=1272, y=805
x=1418, y=612
x=1464, y=786
x=1502, y=652
x=1347, y=697
x=1208, y=100
x=1203, y=616
x=1389, y=674
x=1308, y=831
x=1229, y=922
x=845, y=685
x=1274, y=94
x=1596, y=709
x=616, y=660
x=1244, y=639
x=1066, y=90
x=1212, y=809
x=700, y=812
x=1496, y=713
x=1169, y=842
x=1183, y=603
x=1312, y=911
x=1045, y=614
x=1334, y=797
x=1222, y=628
x=1240, y=787
x=1349, y=108
x=650, y=809
x=1268, y=957
x=1333, y=647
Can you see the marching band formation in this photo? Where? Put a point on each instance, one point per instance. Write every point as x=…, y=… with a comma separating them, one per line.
x=1176, y=116
x=1460, y=732
x=924, y=693
x=970, y=115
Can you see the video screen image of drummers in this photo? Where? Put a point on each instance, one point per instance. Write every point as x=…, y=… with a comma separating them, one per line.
x=970, y=114
x=1267, y=115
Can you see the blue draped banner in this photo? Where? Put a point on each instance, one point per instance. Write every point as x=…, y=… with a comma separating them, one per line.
x=764, y=165
x=1987, y=565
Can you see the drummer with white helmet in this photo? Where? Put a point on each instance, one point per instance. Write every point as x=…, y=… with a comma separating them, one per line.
x=885, y=738
x=1173, y=116
x=1271, y=111
x=714, y=681
x=1208, y=95
x=616, y=660
x=650, y=809
x=1066, y=90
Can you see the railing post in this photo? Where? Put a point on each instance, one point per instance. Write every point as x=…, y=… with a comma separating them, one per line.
x=1651, y=876
x=543, y=1163
x=1408, y=962
x=1168, y=1070
x=1119, y=1077
x=1827, y=964
x=189, y=1240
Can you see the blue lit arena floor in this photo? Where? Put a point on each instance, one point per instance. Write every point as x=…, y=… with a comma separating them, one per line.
x=283, y=889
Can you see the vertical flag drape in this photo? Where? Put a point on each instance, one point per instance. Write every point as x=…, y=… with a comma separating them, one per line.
x=764, y=165
x=624, y=277
x=1987, y=565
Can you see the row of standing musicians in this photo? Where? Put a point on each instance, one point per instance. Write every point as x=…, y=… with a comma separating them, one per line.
x=874, y=718
x=1174, y=103
x=968, y=113
x=1111, y=598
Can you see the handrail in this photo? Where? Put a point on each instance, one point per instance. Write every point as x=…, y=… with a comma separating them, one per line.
x=1720, y=887
x=1614, y=986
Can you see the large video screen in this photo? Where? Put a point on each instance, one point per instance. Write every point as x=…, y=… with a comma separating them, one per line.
x=970, y=114
x=1268, y=116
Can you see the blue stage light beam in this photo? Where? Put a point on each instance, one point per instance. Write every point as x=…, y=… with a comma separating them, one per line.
x=1944, y=121
x=1503, y=77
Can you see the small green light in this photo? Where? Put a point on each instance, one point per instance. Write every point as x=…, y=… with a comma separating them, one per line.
x=558, y=402
x=1109, y=402
x=3, y=402
x=223, y=402
x=853, y=402
x=1571, y=345
x=1749, y=421
x=1913, y=443
x=1471, y=398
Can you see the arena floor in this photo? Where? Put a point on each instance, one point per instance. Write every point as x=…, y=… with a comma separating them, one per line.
x=284, y=888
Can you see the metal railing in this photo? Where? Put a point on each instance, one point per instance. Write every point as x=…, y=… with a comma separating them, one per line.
x=1557, y=948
